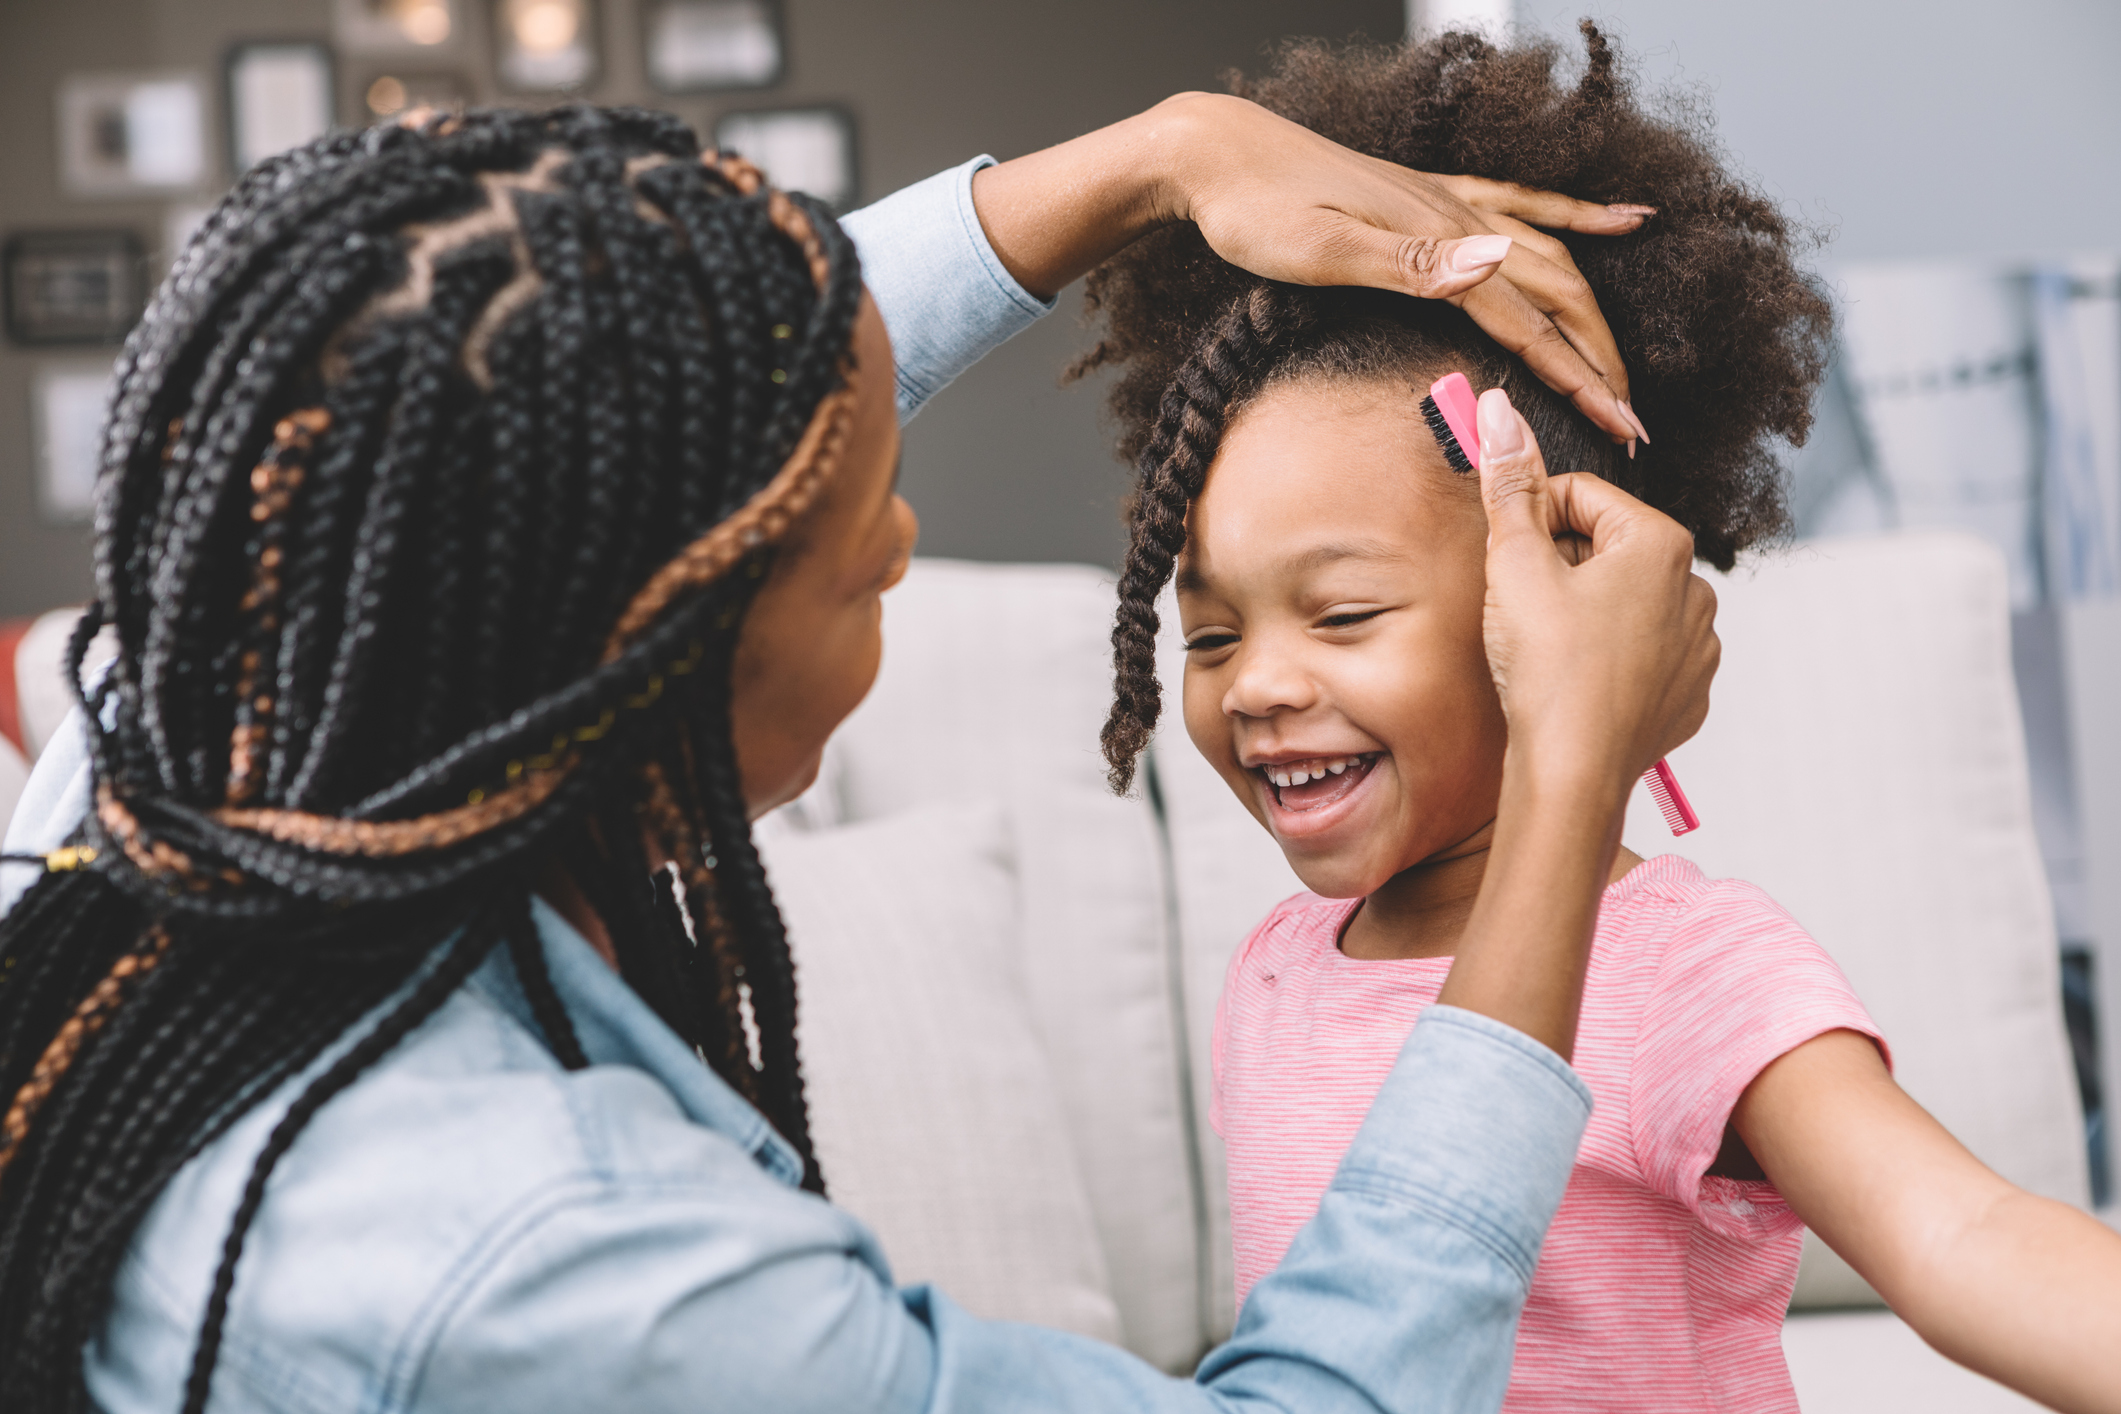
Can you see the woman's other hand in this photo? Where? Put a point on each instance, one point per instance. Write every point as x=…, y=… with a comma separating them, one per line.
x=1601, y=638
x=1283, y=202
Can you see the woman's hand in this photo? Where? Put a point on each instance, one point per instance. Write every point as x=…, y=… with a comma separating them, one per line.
x=1602, y=642
x=1601, y=639
x=1283, y=202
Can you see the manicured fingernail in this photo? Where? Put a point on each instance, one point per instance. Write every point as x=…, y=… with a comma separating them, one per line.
x=1623, y=208
x=1478, y=252
x=1501, y=429
x=1636, y=422
x=1631, y=449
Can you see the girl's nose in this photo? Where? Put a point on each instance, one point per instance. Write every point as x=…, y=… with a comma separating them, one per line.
x=1267, y=682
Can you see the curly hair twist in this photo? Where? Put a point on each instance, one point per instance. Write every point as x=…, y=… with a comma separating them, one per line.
x=1724, y=336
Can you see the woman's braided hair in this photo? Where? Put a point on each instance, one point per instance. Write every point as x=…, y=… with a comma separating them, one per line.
x=439, y=478
x=1724, y=336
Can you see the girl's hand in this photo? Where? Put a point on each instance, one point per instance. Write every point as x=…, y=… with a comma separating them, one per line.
x=1602, y=641
x=1281, y=201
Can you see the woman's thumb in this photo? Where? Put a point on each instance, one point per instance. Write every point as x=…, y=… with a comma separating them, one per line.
x=1513, y=477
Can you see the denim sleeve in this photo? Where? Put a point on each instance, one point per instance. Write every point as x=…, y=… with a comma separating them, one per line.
x=1402, y=1295
x=945, y=296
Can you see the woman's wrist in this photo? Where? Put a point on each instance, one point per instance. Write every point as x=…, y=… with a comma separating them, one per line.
x=1055, y=215
x=1522, y=957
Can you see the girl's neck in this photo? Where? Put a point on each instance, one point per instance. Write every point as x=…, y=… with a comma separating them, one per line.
x=1422, y=911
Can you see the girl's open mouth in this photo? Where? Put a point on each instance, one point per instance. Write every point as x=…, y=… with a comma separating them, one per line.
x=1302, y=786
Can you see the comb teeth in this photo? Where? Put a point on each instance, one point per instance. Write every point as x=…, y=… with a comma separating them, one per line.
x=1671, y=801
x=1454, y=455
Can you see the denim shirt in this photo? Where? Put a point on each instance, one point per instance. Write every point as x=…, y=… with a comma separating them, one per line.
x=470, y=1227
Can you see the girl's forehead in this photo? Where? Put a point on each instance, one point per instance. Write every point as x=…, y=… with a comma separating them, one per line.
x=1309, y=468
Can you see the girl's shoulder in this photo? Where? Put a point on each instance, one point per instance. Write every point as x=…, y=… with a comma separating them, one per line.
x=1679, y=950
x=1669, y=902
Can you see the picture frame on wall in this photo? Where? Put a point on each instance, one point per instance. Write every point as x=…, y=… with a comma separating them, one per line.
x=810, y=149
x=708, y=46
x=69, y=400
x=279, y=95
x=396, y=27
x=72, y=287
x=545, y=46
x=132, y=135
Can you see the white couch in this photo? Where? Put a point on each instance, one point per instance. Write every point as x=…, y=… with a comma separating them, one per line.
x=1008, y=974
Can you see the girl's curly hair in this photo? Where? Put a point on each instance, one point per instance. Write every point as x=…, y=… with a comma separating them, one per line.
x=1724, y=337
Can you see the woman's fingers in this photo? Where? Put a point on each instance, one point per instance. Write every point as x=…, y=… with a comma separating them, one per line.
x=1546, y=208
x=1421, y=266
x=1510, y=317
x=1606, y=516
x=1542, y=267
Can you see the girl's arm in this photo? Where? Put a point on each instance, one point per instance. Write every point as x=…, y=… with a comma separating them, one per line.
x=2023, y=1289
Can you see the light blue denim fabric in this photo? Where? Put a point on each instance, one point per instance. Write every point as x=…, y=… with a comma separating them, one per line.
x=471, y=1228
x=945, y=296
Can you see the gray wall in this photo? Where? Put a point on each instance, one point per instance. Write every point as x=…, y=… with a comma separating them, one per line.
x=1006, y=466
x=1932, y=129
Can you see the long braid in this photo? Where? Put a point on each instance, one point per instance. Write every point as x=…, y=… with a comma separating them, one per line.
x=410, y=607
x=1173, y=467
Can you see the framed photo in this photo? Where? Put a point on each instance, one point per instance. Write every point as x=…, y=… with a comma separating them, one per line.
x=390, y=93
x=72, y=287
x=132, y=134
x=799, y=149
x=545, y=46
x=279, y=96
x=699, y=46
x=395, y=26
x=69, y=401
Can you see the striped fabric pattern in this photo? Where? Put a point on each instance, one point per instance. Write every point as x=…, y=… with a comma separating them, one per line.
x=1661, y=1290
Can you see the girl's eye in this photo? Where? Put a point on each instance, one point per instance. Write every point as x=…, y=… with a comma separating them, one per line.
x=1208, y=641
x=1349, y=620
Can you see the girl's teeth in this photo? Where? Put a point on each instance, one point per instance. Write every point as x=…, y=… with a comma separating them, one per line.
x=1311, y=771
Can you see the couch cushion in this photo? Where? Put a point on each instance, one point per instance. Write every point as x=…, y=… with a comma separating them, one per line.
x=994, y=685
x=935, y=1112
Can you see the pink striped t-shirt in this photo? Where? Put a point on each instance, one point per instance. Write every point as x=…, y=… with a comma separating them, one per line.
x=1661, y=1290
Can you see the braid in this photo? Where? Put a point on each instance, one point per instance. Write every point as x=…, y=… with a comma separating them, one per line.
x=439, y=478
x=1207, y=387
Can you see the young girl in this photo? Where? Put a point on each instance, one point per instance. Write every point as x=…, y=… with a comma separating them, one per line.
x=1329, y=568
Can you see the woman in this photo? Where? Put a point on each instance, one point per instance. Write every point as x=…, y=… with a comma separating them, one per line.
x=495, y=511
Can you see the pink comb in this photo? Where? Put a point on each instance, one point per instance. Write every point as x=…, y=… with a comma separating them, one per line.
x=1460, y=410
x=1451, y=401
x=1671, y=800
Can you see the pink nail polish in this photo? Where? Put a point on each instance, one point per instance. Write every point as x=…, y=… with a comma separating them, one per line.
x=1477, y=252
x=1622, y=208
